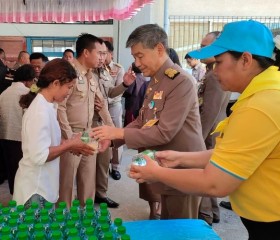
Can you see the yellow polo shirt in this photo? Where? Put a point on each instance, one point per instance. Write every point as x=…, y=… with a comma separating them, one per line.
x=249, y=148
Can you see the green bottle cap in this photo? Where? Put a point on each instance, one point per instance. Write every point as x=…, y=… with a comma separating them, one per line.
x=48, y=205
x=6, y=231
x=39, y=227
x=70, y=224
x=86, y=223
x=60, y=218
x=23, y=235
x=73, y=210
x=105, y=227
x=13, y=222
x=29, y=219
x=108, y=236
x=73, y=232
x=90, y=231
x=104, y=212
x=29, y=212
x=59, y=211
x=54, y=226
x=89, y=208
x=125, y=237
x=118, y=222
x=75, y=203
x=62, y=205
x=56, y=235
x=121, y=230
x=44, y=212
x=14, y=215
x=34, y=205
x=102, y=220
x=75, y=216
x=40, y=235
x=89, y=202
x=45, y=219
x=89, y=215
x=20, y=208
x=92, y=238
x=103, y=206
x=12, y=203
x=1, y=219
x=6, y=211
x=22, y=227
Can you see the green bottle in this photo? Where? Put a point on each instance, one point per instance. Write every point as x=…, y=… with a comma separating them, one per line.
x=12, y=205
x=85, y=137
x=108, y=236
x=139, y=159
x=23, y=235
x=13, y=226
x=40, y=235
x=57, y=235
x=125, y=237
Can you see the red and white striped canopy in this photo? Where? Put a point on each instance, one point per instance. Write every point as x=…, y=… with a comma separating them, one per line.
x=61, y=11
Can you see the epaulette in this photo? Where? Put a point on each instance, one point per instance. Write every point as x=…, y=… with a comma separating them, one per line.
x=118, y=65
x=171, y=73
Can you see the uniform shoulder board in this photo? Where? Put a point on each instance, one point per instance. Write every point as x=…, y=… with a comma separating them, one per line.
x=118, y=65
x=171, y=73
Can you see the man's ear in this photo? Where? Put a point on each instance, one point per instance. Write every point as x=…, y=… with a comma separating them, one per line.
x=56, y=82
x=161, y=49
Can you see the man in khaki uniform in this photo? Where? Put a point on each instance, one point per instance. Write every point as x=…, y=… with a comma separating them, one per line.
x=169, y=118
x=75, y=115
x=115, y=106
x=103, y=159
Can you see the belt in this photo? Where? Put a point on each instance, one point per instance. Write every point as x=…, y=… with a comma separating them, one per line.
x=75, y=130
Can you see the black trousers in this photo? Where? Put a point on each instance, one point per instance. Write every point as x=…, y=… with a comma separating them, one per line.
x=262, y=230
x=12, y=153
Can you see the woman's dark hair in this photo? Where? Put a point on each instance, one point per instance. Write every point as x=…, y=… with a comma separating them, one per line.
x=277, y=57
x=24, y=73
x=264, y=62
x=174, y=56
x=57, y=69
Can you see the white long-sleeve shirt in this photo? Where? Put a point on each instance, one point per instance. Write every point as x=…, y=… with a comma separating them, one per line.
x=40, y=130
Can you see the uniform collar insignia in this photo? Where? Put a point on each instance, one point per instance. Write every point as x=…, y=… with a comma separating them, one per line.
x=171, y=73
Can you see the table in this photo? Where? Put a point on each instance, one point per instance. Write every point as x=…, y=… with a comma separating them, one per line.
x=179, y=229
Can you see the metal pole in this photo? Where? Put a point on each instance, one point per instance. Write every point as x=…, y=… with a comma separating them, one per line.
x=166, y=21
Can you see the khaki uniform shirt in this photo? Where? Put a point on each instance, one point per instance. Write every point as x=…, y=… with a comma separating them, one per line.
x=77, y=110
x=174, y=103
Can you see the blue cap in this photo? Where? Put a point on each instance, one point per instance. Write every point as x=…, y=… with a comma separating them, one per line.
x=242, y=36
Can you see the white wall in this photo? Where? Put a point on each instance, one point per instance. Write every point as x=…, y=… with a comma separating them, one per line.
x=54, y=30
x=224, y=7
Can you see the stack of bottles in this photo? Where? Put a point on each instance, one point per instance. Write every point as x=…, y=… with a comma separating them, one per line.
x=61, y=223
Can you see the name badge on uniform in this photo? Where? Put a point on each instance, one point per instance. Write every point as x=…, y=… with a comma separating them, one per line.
x=158, y=95
x=150, y=123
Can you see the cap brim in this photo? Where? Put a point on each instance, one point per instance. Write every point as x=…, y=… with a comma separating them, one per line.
x=207, y=52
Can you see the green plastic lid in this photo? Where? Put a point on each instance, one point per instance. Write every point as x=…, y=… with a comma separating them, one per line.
x=6, y=211
x=55, y=226
x=125, y=237
x=22, y=227
x=44, y=212
x=103, y=206
x=29, y=212
x=34, y=205
x=29, y=219
x=90, y=231
x=102, y=220
x=73, y=209
x=75, y=203
x=6, y=231
x=56, y=235
x=23, y=235
x=48, y=205
x=105, y=227
x=39, y=227
x=75, y=216
x=73, y=232
x=62, y=205
x=121, y=230
x=39, y=235
x=13, y=222
x=92, y=238
x=86, y=222
x=20, y=208
x=118, y=222
x=45, y=219
x=89, y=215
x=108, y=236
x=60, y=218
x=70, y=224
x=14, y=215
x=12, y=203
x=89, y=201
x=59, y=211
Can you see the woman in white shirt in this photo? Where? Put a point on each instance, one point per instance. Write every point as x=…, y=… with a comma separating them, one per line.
x=37, y=178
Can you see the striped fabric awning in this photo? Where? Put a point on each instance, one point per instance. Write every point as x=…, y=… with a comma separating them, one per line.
x=62, y=11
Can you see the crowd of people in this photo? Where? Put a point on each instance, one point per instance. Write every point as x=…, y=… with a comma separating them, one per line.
x=202, y=151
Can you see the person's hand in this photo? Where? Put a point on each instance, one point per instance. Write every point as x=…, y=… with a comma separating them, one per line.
x=129, y=77
x=144, y=173
x=98, y=104
x=77, y=146
x=103, y=145
x=104, y=132
x=168, y=158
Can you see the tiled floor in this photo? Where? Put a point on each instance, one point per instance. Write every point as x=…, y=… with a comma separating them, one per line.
x=125, y=192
